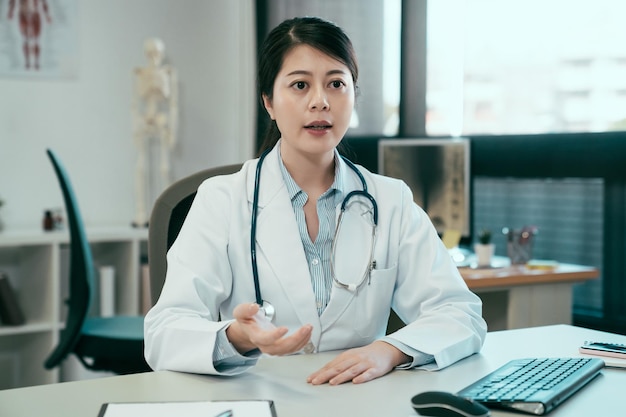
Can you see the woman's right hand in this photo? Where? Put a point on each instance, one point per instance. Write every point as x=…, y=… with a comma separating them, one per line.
x=249, y=332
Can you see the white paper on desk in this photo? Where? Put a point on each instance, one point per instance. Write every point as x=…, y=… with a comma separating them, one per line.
x=244, y=408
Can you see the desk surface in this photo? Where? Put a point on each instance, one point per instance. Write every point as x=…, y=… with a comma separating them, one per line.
x=518, y=275
x=283, y=380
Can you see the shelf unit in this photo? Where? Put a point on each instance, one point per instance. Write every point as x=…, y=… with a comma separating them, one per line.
x=37, y=264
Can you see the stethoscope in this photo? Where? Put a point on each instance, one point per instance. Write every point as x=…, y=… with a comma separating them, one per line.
x=268, y=308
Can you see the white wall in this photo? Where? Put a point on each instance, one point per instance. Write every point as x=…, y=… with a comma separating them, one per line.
x=87, y=120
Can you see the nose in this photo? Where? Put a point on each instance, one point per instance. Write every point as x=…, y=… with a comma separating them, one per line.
x=319, y=101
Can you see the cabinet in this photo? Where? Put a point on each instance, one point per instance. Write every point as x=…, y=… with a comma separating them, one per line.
x=37, y=264
x=516, y=296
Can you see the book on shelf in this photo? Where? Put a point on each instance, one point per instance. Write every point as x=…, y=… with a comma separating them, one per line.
x=10, y=311
x=107, y=290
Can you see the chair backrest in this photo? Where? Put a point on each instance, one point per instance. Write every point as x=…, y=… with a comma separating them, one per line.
x=81, y=278
x=168, y=214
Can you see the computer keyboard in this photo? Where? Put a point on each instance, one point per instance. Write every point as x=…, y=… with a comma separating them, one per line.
x=533, y=385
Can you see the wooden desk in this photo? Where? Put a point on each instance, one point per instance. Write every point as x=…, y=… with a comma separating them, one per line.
x=516, y=296
x=283, y=379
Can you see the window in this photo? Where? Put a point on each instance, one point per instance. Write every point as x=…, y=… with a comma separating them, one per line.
x=525, y=66
x=568, y=216
x=531, y=67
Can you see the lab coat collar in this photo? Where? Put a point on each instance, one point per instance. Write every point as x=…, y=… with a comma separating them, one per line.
x=273, y=183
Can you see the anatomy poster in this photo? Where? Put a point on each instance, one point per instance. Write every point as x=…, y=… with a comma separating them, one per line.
x=38, y=38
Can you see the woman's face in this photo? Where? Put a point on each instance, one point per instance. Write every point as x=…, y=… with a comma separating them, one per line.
x=312, y=101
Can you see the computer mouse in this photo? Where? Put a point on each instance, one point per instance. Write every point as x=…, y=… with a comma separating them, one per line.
x=447, y=404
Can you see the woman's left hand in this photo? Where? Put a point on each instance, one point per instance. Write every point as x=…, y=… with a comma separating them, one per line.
x=360, y=364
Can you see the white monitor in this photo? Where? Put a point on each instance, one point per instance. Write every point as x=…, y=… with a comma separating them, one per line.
x=438, y=173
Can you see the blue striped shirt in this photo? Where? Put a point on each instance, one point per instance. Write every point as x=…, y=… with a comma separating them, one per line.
x=317, y=253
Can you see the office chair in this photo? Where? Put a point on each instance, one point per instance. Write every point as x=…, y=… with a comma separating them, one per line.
x=112, y=344
x=168, y=214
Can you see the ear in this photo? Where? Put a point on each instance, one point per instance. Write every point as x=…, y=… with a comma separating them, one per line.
x=267, y=102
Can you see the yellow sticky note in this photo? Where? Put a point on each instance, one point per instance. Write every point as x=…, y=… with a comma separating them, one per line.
x=451, y=238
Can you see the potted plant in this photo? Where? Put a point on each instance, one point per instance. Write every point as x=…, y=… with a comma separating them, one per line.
x=484, y=249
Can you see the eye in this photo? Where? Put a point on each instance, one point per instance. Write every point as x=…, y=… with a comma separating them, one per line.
x=337, y=84
x=299, y=85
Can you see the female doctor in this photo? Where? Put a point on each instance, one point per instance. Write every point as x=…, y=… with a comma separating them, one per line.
x=331, y=246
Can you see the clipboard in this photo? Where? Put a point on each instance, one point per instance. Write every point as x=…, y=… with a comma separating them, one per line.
x=208, y=408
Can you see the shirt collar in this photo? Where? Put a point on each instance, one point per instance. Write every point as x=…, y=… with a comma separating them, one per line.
x=337, y=187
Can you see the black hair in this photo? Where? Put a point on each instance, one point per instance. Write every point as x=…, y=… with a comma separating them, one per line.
x=316, y=32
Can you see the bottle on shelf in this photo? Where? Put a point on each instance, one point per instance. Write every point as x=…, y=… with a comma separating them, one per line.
x=48, y=221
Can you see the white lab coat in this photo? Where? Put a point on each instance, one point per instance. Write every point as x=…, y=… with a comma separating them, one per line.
x=209, y=273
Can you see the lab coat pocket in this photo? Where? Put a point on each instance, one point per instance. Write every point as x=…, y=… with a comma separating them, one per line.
x=372, y=303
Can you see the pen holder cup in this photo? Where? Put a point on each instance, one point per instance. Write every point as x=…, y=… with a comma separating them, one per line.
x=520, y=246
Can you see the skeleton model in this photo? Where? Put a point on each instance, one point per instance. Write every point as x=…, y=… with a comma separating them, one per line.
x=155, y=117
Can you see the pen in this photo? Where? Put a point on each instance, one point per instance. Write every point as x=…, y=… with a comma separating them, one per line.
x=227, y=413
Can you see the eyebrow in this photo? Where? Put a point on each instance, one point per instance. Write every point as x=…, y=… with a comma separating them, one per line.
x=304, y=72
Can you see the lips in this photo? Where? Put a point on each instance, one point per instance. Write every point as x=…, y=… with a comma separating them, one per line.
x=319, y=125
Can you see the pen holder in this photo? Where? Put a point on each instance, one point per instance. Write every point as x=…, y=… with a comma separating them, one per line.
x=519, y=244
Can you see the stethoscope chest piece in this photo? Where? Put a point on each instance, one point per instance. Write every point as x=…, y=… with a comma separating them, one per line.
x=269, y=310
